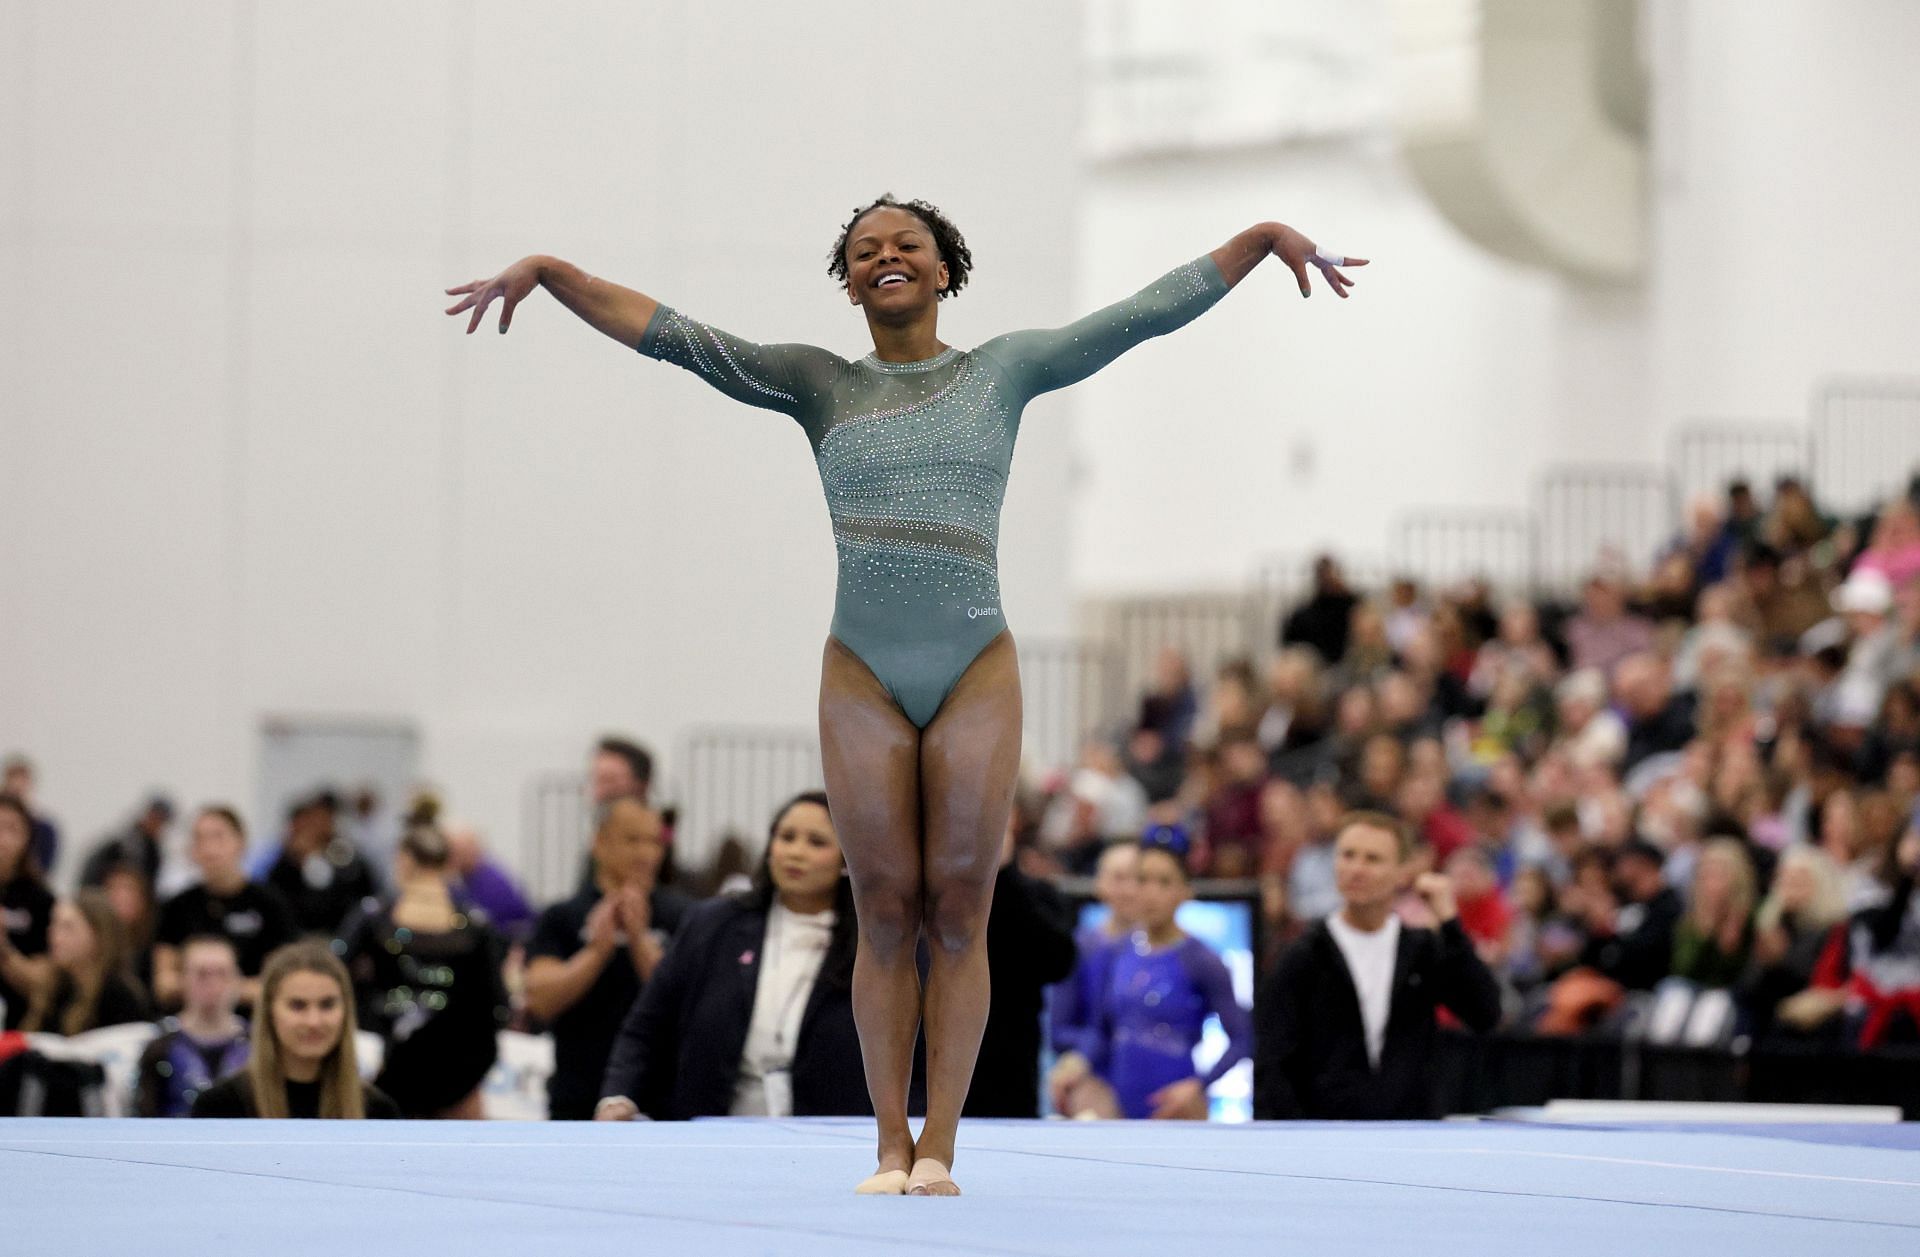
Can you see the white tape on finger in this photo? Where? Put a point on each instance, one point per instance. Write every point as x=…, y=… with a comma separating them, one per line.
x=1327, y=259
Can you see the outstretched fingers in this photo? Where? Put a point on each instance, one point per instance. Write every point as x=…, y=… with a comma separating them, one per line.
x=1331, y=272
x=486, y=296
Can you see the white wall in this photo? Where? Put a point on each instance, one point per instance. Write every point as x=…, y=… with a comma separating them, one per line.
x=251, y=469
x=1783, y=189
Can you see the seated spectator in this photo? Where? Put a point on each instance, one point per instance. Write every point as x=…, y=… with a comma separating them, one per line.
x=1370, y=654
x=751, y=1013
x=1436, y=823
x=17, y=779
x=1785, y=597
x=1589, y=732
x=206, y=1042
x=319, y=872
x=1158, y=992
x=1518, y=649
x=1170, y=707
x=1346, y=1020
x=1857, y=830
x=1709, y=543
x=1232, y=817
x=1100, y=802
x=1715, y=632
x=130, y=895
x=1714, y=939
x=255, y=919
x=591, y=955
x=426, y=976
x=1870, y=970
x=1480, y=904
x=143, y=845
x=1605, y=632
x=1894, y=552
x=1406, y=613
x=301, y=1062
x=1312, y=891
x=26, y=909
x=478, y=880
x=1030, y=947
x=85, y=985
x=1658, y=720
x=1325, y=619
x=1233, y=706
x=1629, y=945
x=1294, y=702
x=1532, y=899
x=1794, y=525
x=1791, y=930
x=1071, y=1016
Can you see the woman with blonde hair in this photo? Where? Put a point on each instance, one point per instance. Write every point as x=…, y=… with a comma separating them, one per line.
x=84, y=986
x=302, y=1062
x=1808, y=899
x=1713, y=940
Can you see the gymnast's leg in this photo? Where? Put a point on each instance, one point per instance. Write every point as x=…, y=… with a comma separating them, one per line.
x=969, y=763
x=870, y=754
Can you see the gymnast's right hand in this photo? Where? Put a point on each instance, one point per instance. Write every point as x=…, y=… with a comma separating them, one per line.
x=511, y=286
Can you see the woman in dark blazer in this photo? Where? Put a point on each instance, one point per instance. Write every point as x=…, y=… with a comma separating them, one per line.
x=751, y=1011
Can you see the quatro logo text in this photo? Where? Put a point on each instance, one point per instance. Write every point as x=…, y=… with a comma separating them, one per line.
x=974, y=613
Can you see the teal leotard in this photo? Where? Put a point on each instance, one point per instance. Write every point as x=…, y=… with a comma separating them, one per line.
x=913, y=457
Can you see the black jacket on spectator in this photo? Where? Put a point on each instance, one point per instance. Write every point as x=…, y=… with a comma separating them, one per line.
x=1640, y=952
x=1669, y=729
x=583, y=1036
x=678, y=1052
x=1029, y=948
x=255, y=919
x=232, y=1096
x=320, y=903
x=1322, y=622
x=26, y=909
x=1310, y=1045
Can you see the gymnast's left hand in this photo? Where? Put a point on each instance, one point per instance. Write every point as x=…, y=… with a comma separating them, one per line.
x=1185, y=1100
x=1298, y=252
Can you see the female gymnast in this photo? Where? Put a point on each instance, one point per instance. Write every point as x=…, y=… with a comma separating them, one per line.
x=919, y=689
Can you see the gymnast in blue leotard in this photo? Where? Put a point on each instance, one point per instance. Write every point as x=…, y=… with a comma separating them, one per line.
x=920, y=708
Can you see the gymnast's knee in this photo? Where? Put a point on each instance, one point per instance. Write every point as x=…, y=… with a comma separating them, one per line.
x=957, y=905
x=890, y=917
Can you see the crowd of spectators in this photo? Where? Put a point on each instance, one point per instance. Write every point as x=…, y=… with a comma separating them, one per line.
x=1682, y=805
x=1684, y=802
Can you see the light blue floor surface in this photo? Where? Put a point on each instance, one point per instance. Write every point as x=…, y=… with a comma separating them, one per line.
x=74, y=1188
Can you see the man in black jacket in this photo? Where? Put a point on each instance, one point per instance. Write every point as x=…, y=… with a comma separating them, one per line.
x=1344, y=1025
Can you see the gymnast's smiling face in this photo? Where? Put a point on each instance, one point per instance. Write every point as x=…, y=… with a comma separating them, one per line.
x=893, y=266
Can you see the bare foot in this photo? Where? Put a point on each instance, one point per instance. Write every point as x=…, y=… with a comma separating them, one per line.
x=930, y=1178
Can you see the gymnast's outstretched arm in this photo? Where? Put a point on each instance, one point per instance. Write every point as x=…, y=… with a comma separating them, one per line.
x=787, y=378
x=1039, y=361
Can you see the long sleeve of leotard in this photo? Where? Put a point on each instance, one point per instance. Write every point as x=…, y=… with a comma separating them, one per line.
x=1043, y=359
x=1209, y=974
x=792, y=379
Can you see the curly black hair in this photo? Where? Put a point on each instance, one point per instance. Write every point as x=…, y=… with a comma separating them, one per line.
x=952, y=246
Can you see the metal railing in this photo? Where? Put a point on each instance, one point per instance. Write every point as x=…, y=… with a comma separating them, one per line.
x=1069, y=690
x=559, y=829
x=732, y=779
x=1618, y=513
x=1865, y=441
x=1446, y=546
x=1709, y=455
